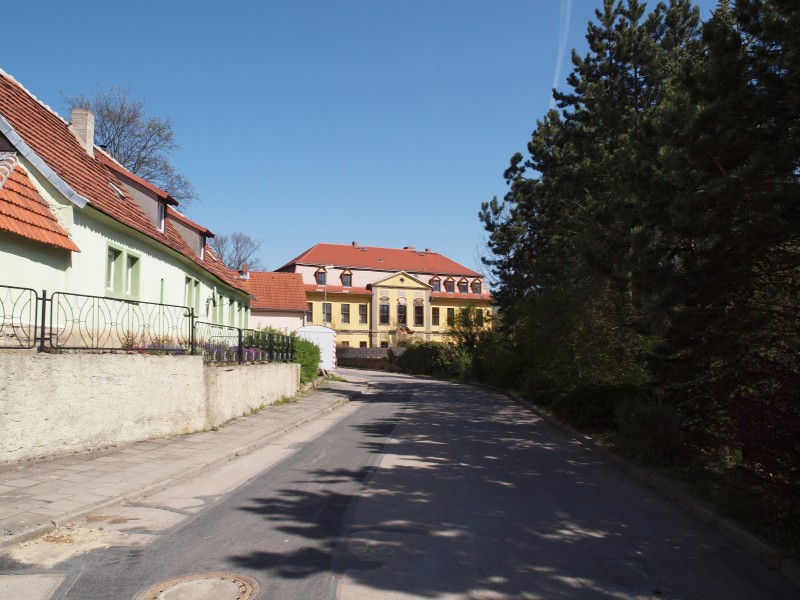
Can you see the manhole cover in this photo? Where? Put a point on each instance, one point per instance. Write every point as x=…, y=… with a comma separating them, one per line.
x=203, y=586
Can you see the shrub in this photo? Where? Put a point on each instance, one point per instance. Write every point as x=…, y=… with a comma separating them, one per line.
x=435, y=359
x=588, y=408
x=650, y=432
x=307, y=355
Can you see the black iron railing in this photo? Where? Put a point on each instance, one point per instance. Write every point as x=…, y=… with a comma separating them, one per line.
x=80, y=322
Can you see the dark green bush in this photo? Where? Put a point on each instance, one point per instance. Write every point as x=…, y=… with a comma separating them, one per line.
x=588, y=408
x=307, y=355
x=650, y=432
x=435, y=359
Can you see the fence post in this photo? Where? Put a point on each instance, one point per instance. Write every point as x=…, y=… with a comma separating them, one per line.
x=240, y=350
x=44, y=316
x=271, y=356
x=191, y=328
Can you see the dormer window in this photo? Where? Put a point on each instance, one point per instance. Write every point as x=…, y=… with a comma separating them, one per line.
x=450, y=285
x=321, y=277
x=463, y=286
x=476, y=287
x=161, y=216
x=436, y=284
x=347, y=279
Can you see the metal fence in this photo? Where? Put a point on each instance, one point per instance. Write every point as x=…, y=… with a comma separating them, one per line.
x=79, y=322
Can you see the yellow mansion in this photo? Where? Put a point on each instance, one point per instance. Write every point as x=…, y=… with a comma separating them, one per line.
x=377, y=297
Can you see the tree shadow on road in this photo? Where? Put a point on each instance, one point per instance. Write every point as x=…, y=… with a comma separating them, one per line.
x=474, y=497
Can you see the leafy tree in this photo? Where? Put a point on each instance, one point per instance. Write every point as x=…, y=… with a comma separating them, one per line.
x=237, y=249
x=141, y=143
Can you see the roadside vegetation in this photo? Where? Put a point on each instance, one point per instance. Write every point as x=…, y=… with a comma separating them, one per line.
x=646, y=258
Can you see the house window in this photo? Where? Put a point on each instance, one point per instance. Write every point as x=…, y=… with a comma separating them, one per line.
x=160, y=218
x=347, y=279
x=114, y=270
x=326, y=312
x=463, y=288
x=451, y=316
x=322, y=277
x=132, y=275
x=436, y=284
x=345, y=313
x=401, y=314
x=449, y=286
x=345, y=344
x=435, y=316
x=419, y=319
x=362, y=344
x=191, y=296
x=384, y=344
x=309, y=312
x=384, y=315
x=476, y=287
x=362, y=314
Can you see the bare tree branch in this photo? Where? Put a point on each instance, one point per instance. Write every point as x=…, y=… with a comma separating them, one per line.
x=238, y=249
x=140, y=143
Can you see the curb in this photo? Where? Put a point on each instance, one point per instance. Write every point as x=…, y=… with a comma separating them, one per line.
x=773, y=554
x=45, y=528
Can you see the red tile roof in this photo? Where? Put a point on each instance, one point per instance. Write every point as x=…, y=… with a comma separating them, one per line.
x=24, y=212
x=48, y=135
x=380, y=259
x=276, y=291
x=112, y=164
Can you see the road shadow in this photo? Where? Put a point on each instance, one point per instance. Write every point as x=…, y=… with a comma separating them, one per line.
x=471, y=496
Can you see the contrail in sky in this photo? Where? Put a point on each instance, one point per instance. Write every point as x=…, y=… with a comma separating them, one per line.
x=566, y=11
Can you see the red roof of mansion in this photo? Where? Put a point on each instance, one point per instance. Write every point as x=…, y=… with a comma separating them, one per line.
x=373, y=258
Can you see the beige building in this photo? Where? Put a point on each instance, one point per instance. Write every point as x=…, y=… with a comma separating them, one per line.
x=379, y=297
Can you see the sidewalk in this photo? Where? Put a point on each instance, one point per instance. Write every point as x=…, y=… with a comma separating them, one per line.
x=38, y=496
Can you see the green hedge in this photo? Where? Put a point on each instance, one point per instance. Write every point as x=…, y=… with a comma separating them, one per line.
x=307, y=355
x=435, y=359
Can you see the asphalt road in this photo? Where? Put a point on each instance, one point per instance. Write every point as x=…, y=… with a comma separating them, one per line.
x=420, y=489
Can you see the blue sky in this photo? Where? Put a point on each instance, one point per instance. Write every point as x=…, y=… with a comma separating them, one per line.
x=379, y=121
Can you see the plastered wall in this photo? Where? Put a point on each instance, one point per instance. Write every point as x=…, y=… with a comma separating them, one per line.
x=54, y=404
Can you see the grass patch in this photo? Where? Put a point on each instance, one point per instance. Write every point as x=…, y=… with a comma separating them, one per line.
x=735, y=495
x=333, y=377
x=285, y=400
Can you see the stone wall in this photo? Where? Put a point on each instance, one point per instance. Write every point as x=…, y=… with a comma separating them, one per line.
x=54, y=404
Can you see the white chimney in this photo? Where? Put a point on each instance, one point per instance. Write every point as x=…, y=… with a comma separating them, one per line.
x=82, y=127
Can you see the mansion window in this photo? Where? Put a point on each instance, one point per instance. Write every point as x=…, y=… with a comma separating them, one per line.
x=362, y=314
x=309, y=312
x=347, y=279
x=435, y=316
x=449, y=286
x=401, y=314
x=322, y=277
x=345, y=313
x=463, y=288
x=479, y=317
x=326, y=312
x=419, y=319
x=476, y=287
x=384, y=315
x=436, y=284
x=451, y=316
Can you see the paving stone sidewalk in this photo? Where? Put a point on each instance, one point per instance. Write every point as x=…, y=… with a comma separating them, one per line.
x=38, y=496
